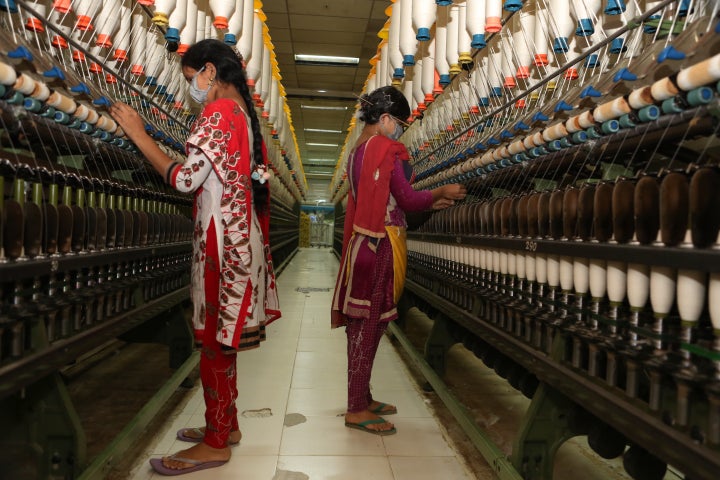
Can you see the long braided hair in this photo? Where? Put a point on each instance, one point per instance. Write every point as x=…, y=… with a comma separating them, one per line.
x=229, y=67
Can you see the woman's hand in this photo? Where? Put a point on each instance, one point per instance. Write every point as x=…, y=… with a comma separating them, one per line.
x=441, y=203
x=454, y=191
x=446, y=195
x=129, y=120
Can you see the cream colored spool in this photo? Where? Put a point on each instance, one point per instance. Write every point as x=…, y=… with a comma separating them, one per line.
x=41, y=91
x=530, y=269
x=520, y=266
x=691, y=287
x=541, y=268
x=62, y=103
x=572, y=124
x=586, y=119
x=24, y=84
x=538, y=139
x=598, y=278
x=107, y=124
x=616, y=281
x=512, y=263
x=554, y=132
x=528, y=142
x=714, y=302
x=93, y=116
x=642, y=97
x=82, y=112
x=553, y=271
x=638, y=284
x=662, y=289
x=581, y=275
x=504, y=262
x=703, y=73
x=7, y=74
x=487, y=159
x=566, y=273
x=610, y=110
x=516, y=147
x=663, y=89
x=500, y=153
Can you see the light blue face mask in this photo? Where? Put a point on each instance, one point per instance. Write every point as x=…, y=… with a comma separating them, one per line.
x=397, y=132
x=200, y=96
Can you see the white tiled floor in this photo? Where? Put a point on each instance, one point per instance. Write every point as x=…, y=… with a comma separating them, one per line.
x=299, y=373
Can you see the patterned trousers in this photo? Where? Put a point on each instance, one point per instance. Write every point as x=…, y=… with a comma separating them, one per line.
x=218, y=372
x=363, y=338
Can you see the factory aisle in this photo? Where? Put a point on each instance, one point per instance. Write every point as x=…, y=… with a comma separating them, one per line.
x=293, y=396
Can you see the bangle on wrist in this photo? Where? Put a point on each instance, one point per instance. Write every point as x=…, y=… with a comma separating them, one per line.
x=169, y=171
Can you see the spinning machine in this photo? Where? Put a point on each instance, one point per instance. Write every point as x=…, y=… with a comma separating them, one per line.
x=93, y=244
x=583, y=265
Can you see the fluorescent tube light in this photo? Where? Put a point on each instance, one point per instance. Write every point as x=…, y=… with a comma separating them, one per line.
x=326, y=59
x=322, y=130
x=322, y=144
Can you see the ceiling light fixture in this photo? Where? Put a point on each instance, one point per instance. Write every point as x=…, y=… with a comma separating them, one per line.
x=303, y=59
x=322, y=144
x=322, y=130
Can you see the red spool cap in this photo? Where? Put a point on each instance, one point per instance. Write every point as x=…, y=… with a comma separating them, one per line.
x=523, y=72
x=541, y=59
x=84, y=23
x=34, y=25
x=104, y=40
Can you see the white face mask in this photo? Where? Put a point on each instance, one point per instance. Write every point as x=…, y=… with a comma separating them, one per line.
x=200, y=96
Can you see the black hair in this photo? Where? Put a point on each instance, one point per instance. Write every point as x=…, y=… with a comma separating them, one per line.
x=383, y=100
x=229, y=67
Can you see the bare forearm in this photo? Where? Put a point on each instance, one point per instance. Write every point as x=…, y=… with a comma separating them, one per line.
x=159, y=160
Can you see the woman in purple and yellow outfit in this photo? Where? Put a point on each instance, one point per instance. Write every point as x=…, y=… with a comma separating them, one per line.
x=373, y=263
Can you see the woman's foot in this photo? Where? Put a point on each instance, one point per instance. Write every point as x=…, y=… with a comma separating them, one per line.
x=199, y=433
x=201, y=453
x=359, y=418
x=380, y=408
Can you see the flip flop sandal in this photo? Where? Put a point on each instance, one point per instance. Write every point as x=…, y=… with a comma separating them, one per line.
x=380, y=409
x=158, y=465
x=181, y=436
x=363, y=426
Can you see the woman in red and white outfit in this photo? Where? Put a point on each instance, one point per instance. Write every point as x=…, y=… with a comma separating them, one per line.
x=233, y=284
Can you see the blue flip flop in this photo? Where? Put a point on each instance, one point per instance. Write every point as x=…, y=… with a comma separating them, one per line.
x=363, y=426
x=159, y=467
x=379, y=410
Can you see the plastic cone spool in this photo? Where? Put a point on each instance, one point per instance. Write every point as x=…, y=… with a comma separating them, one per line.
x=34, y=25
x=62, y=6
x=540, y=60
x=571, y=74
x=59, y=42
x=221, y=23
x=104, y=40
x=84, y=23
x=120, y=55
